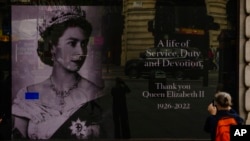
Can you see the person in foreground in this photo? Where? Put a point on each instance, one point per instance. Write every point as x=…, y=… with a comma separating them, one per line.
x=120, y=110
x=62, y=109
x=220, y=109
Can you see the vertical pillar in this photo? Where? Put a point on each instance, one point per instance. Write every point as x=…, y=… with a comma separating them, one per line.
x=246, y=61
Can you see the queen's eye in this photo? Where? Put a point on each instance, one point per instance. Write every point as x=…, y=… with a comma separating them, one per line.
x=84, y=43
x=72, y=43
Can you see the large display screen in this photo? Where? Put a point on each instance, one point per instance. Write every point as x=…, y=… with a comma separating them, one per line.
x=129, y=70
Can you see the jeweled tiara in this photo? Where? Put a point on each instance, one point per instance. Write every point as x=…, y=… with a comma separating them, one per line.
x=59, y=15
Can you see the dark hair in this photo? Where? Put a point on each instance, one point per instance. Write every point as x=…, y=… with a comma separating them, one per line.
x=223, y=99
x=52, y=34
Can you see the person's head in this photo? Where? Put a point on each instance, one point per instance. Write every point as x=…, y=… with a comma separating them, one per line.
x=223, y=100
x=118, y=80
x=64, y=38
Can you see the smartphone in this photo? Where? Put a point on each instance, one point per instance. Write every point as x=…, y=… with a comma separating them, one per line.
x=213, y=102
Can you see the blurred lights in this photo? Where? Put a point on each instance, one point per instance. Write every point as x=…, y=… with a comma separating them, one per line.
x=4, y=38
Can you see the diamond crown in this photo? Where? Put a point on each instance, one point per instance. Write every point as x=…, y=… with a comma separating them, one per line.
x=60, y=15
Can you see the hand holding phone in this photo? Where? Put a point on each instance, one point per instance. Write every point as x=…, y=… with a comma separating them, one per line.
x=212, y=109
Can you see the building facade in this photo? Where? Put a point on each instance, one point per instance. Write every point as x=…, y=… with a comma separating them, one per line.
x=136, y=37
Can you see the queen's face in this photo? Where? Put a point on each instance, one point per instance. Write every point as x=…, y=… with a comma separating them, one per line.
x=71, y=50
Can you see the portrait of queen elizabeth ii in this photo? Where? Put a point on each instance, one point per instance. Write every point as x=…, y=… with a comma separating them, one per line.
x=61, y=105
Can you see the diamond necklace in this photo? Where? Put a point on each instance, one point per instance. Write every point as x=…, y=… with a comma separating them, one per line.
x=61, y=94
